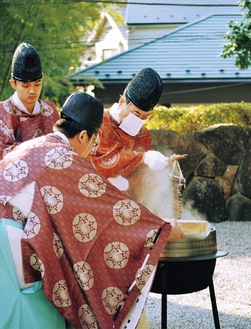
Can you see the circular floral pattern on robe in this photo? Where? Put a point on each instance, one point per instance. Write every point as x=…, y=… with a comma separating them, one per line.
x=18, y=216
x=4, y=199
x=84, y=275
x=37, y=264
x=110, y=162
x=92, y=185
x=53, y=199
x=60, y=294
x=46, y=110
x=38, y=133
x=86, y=317
x=23, y=119
x=142, y=276
x=15, y=171
x=32, y=226
x=34, y=143
x=126, y=212
x=84, y=227
x=57, y=246
x=6, y=131
x=112, y=298
x=116, y=255
x=9, y=108
x=150, y=238
x=58, y=158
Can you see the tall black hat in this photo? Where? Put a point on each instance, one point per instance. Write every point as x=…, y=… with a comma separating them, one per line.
x=26, y=64
x=84, y=109
x=145, y=89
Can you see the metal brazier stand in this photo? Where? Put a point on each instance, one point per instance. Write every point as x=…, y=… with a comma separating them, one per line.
x=191, y=272
x=182, y=275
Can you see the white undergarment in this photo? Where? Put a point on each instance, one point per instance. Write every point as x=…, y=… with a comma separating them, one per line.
x=22, y=201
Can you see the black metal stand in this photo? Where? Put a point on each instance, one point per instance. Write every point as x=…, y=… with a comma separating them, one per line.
x=214, y=305
x=185, y=275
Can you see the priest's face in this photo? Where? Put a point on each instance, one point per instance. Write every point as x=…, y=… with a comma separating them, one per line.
x=28, y=92
x=125, y=109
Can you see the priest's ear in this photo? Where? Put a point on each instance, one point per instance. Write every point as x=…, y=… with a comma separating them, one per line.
x=82, y=136
x=13, y=83
x=122, y=99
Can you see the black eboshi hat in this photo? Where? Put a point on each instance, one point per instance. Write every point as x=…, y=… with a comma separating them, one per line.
x=145, y=89
x=85, y=110
x=26, y=64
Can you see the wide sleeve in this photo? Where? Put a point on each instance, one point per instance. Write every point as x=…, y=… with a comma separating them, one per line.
x=8, y=124
x=17, y=126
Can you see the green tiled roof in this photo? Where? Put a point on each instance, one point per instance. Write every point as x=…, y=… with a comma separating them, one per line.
x=189, y=53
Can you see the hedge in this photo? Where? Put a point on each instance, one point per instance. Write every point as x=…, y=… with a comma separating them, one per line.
x=195, y=118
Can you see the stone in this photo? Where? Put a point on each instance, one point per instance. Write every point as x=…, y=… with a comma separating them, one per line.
x=238, y=208
x=217, y=171
x=226, y=180
x=227, y=142
x=210, y=166
x=207, y=198
x=169, y=142
x=242, y=183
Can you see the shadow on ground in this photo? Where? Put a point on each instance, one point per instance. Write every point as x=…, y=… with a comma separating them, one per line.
x=188, y=317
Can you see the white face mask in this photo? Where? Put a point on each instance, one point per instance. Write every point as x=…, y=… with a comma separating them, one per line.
x=132, y=124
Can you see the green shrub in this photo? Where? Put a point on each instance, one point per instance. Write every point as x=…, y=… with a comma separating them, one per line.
x=195, y=118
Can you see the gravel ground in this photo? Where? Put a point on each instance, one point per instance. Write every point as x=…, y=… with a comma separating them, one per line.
x=232, y=284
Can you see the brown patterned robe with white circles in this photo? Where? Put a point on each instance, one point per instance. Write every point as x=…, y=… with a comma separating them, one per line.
x=86, y=239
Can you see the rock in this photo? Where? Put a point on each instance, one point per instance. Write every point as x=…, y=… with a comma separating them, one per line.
x=242, y=183
x=210, y=166
x=169, y=142
x=217, y=169
x=227, y=142
x=226, y=180
x=207, y=198
x=238, y=208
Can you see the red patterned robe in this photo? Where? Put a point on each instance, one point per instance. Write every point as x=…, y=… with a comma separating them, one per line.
x=17, y=126
x=119, y=153
x=89, y=241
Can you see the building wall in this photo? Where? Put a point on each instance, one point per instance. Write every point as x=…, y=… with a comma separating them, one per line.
x=140, y=34
x=179, y=94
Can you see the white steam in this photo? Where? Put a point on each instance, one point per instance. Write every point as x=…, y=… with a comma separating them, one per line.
x=160, y=199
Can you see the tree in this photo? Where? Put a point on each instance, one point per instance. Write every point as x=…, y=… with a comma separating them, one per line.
x=57, y=29
x=239, y=38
